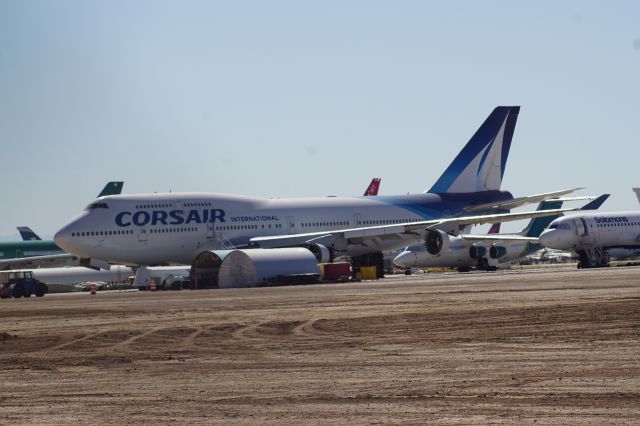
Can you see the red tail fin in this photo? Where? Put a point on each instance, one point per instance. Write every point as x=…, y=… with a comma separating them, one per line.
x=373, y=187
x=495, y=228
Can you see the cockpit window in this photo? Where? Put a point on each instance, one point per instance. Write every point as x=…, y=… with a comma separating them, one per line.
x=564, y=226
x=554, y=226
x=97, y=205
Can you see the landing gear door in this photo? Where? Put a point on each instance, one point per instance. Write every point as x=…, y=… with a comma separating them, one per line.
x=581, y=229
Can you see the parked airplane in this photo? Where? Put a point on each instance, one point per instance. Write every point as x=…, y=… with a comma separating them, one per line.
x=373, y=187
x=155, y=229
x=485, y=252
x=550, y=255
x=34, y=252
x=618, y=253
x=467, y=251
x=593, y=235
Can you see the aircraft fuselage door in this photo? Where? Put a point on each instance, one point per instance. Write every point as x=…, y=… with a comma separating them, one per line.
x=581, y=228
x=357, y=220
x=210, y=227
x=291, y=225
x=209, y=230
x=142, y=234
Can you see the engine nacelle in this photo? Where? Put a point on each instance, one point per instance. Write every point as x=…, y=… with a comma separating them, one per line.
x=477, y=251
x=496, y=252
x=436, y=241
x=322, y=253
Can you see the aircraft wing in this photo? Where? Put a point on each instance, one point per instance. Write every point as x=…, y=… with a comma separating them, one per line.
x=412, y=232
x=498, y=237
x=51, y=261
x=33, y=262
x=520, y=201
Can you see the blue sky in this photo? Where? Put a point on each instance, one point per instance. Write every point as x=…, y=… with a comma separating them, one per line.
x=308, y=98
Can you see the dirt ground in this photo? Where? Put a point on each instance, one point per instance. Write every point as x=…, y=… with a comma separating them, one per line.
x=512, y=347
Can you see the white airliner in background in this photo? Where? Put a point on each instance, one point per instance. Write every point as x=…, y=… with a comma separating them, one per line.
x=484, y=251
x=157, y=229
x=593, y=235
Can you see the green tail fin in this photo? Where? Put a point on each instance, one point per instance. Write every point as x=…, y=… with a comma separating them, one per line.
x=111, y=188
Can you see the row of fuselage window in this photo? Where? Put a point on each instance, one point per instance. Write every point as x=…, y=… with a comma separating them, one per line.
x=238, y=227
x=608, y=225
x=130, y=231
x=387, y=221
x=168, y=206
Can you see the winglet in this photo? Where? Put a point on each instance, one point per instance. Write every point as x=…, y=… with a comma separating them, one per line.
x=481, y=163
x=27, y=234
x=637, y=191
x=112, y=188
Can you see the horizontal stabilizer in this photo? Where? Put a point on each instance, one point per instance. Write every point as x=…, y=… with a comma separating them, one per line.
x=595, y=204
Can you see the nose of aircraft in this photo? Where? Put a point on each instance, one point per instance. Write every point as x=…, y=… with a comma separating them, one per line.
x=62, y=238
x=548, y=238
x=406, y=259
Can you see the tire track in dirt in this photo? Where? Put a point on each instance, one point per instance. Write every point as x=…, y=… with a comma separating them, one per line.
x=71, y=342
x=127, y=342
x=189, y=341
x=307, y=328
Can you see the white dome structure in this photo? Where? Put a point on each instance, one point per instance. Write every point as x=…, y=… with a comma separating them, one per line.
x=254, y=267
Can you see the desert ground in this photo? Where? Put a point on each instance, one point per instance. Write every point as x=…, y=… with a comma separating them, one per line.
x=560, y=346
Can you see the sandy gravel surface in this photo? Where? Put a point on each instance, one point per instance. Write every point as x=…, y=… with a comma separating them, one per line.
x=543, y=346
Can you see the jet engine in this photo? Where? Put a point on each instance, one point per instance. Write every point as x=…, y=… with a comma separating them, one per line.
x=436, y=241
x=477, y=251
x=496, y=251
x=321, y=252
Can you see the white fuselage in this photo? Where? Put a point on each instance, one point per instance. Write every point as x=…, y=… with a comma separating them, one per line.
x=417, y=256
x=605, y=230
x=117, y=274
x=155, y=229
x=458, y=254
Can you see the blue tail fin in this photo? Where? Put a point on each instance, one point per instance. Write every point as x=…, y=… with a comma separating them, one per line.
x=481, y=163
x=27, y=234
x=595, y=204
